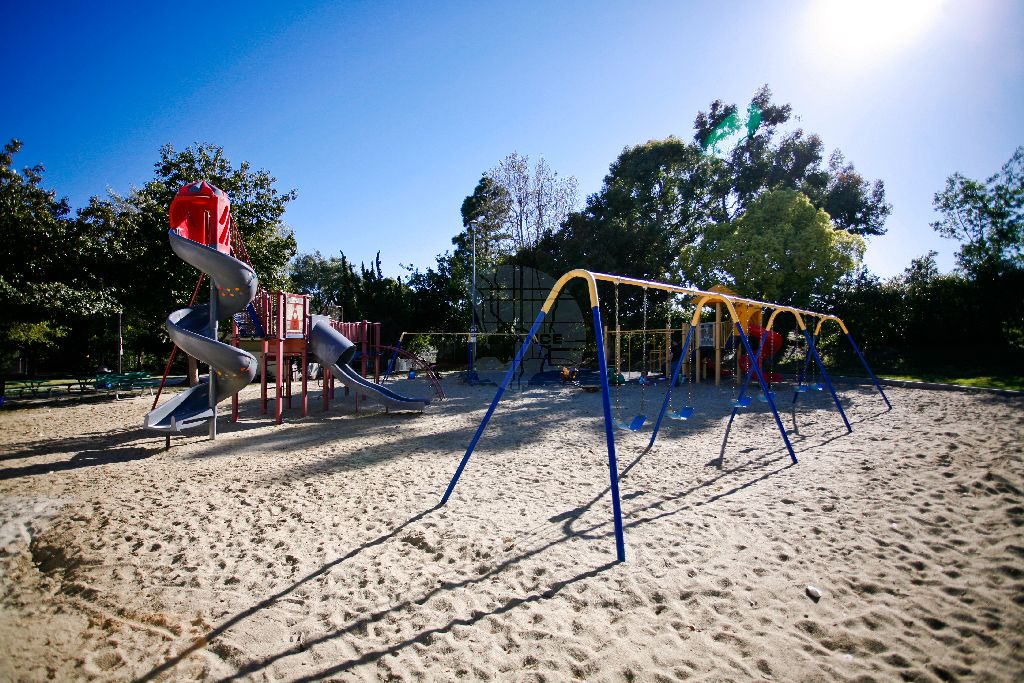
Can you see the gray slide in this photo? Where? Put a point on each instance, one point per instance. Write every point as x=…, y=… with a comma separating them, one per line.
x=191, y=330
x=335, y=351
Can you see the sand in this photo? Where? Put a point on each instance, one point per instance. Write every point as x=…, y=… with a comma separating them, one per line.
x=315, y=549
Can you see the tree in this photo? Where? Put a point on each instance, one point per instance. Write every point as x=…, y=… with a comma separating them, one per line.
x=772, y=157
x=781, y=249
x=515, y=207
x=655, y=198
x=986, y=218
x=136, y=225
x=48, y=263
x=485, y=219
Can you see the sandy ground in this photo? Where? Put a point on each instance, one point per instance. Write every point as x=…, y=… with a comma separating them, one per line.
x=315, y=549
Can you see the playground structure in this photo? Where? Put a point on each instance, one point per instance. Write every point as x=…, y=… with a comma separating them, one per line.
x=277, y=325
x=477, y=367
x=739, y=311
x=705, y=358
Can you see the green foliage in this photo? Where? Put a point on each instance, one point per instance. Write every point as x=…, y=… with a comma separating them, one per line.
x=434, y=299
x=41, y=334
x=776, y=157
x=48, y=262
x=988, y=218
x=781, y=249
x=135, y=226
x=926, y=319
x=655, y=198
x=485, y=216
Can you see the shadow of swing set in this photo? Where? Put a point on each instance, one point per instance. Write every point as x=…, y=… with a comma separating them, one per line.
x=702, y=298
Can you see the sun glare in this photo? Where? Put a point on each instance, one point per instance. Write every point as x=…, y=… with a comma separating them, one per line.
x=858, y=33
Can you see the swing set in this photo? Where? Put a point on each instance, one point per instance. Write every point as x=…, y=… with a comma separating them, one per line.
x=701, y=299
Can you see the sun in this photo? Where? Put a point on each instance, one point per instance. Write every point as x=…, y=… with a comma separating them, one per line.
x=859, y=33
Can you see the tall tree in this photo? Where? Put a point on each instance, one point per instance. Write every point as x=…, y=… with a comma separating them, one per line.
x=656, y=197
x=520, y=204
x=485, y=220
x=781, y=249
x=772, y=156
x=987, y=218
x=48, y=263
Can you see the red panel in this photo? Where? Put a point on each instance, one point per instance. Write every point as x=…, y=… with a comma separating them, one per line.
x=193, y=205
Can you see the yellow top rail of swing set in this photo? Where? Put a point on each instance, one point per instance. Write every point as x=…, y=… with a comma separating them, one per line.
x=703, y=298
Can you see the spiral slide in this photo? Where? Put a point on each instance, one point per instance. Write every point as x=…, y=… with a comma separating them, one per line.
x=335, y=351
x=191, y=330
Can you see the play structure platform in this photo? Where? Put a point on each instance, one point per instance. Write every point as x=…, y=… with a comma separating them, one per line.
x=269, y=329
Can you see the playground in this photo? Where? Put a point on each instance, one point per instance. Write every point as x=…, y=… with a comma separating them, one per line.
x=727, y=520
x=315, y=548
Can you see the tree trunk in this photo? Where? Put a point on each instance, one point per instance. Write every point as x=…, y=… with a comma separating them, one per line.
x=193, y=371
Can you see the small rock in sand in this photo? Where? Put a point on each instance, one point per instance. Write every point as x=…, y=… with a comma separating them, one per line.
x=813, y=593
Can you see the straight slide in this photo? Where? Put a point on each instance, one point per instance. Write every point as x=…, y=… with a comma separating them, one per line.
x=334, y=351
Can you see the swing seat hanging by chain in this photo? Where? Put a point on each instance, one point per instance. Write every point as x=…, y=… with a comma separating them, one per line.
x=763, y=398
x=617, y=380
x=741, y=402
x=802, y=389
x=633, y=425
x=684, y=413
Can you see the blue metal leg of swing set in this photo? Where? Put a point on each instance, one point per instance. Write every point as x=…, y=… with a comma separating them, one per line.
x=668, y=394
x=391, y=362
x=801, y=377
x=760, y=379
x=613, y=470
x=812, y=354
x=764, y=387
x=828, y=380
x=738, y=402
x=866, y=367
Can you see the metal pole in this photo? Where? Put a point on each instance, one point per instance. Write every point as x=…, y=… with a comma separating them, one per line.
x=212, y=382
x=672, y=383
x=828, y=381
x=866, y=367
x=471, y=376
x=609, y=435
x=764, y=388
x=490, y=410
x=120, y=343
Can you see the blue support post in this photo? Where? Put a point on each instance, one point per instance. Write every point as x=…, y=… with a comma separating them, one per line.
x=764, y=388
x=803, y=374
x=494, y=404
x=866, y=367
x=754, y=363
x=828, y=380
x=672, y=383
x=609, y=435
x=471, y=375
x=391, y=362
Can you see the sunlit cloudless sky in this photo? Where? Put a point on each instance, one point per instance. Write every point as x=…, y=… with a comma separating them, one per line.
x=383, y=115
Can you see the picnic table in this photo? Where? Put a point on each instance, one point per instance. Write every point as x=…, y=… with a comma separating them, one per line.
x=125, y=381
x=18, y=387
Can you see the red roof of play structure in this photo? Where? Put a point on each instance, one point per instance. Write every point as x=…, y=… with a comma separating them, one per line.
x=202, y=213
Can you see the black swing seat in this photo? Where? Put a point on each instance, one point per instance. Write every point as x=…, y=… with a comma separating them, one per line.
x=633, y=425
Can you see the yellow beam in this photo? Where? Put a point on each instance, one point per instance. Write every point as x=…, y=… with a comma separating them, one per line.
x=703, y=297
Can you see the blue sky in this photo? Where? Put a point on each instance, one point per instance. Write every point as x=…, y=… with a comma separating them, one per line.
x=383, y=115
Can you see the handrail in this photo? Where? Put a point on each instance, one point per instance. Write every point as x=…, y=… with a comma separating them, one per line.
x=422, y=364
